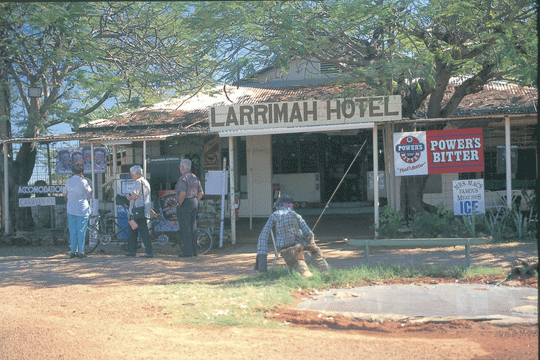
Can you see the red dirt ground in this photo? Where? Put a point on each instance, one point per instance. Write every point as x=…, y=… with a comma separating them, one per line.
x=103, y=307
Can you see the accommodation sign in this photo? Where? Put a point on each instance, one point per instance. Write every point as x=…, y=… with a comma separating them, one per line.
x=46, y=189
x=305, y=113
x=438, y=152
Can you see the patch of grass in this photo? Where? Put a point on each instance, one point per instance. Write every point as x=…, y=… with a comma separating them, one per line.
x=483, y=271
x=244, y=302
x=230, y=304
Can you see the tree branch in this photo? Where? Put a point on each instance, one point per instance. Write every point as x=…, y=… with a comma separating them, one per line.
x=470, y=86
x=19, y=86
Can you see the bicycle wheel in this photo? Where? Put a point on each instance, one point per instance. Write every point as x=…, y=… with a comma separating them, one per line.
x=162, y=239
x=204, y=241
x=92, y=238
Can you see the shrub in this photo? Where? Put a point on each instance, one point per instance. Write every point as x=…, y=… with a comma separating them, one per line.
x=426, y=225
x=389, y=222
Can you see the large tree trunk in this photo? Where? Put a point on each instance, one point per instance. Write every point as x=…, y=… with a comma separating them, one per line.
x=23, y=167
x=20, y=173
x=412, y=189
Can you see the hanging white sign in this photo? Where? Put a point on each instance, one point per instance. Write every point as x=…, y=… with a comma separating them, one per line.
x=37, y=201
x=410, y=155
x=469, y=197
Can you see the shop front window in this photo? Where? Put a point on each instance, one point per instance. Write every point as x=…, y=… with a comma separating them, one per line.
x=494, y=175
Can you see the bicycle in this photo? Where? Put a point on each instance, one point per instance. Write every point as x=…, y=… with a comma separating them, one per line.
x=102, y=233
x=205, y=241
x=166, y=206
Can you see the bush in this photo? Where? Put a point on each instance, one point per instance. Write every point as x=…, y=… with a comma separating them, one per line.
x=427, y=225
x=389, y=222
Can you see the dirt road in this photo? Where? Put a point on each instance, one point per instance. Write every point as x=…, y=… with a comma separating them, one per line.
x=104, y=307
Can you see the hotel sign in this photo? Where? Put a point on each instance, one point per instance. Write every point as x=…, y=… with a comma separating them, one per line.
x=305, y=113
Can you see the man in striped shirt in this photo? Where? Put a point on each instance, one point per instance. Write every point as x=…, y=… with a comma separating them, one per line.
x=292, y=236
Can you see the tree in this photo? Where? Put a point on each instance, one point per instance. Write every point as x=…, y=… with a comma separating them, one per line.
x=83, y=55
x=406, y=47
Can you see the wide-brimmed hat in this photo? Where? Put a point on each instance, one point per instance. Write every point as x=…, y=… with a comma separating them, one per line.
x=283, y=199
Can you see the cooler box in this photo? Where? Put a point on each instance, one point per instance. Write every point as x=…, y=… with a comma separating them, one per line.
x=123, y=222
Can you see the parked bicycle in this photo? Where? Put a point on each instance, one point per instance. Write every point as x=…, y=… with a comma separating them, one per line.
x=104, y=229
x=205, y=240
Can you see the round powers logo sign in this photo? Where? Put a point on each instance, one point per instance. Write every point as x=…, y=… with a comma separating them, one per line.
x=410, y=149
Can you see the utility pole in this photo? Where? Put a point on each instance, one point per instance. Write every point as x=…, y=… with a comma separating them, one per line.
x=5, y=124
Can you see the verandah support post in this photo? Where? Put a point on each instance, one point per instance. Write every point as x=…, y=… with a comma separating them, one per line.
x=232, y=191
x=375, y=179
x=144, y=159
x=508, y=162
x=93, y=172
x=6, y=190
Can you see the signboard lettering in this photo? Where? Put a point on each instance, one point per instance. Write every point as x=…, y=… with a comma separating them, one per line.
x=438, y=152
x=305, y=113
x=455, y=151
x=37, y=201
x=410, y=153
x=469, y=197
x=50, y=189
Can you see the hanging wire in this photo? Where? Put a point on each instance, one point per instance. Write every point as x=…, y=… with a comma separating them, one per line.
x=337, y=187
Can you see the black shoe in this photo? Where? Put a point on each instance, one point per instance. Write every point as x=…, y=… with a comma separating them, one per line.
x=184, y=255
x=130, y=254
x=72, y=255
x=147, y=256
x=81, y=255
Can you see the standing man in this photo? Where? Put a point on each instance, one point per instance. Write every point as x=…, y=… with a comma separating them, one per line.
x=139, y=198
x=188, y=193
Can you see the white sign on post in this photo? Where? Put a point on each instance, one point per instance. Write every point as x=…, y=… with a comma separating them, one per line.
x=469, y=197
x=214, y=182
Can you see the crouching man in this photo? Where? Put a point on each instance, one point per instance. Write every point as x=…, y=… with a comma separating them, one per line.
x=292, y=236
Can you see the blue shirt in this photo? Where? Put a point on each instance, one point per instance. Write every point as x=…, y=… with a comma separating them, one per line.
x=78, y=192
x=289, y=229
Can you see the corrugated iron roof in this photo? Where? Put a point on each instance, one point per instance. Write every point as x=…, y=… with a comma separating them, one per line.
x=495, y=98
x=181, y=114
x=189, y=115
x=50, y=138
x=140, y=134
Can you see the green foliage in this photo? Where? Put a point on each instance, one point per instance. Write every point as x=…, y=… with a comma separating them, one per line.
x=483, y=271
x=470, y=222
x=482, y=223
x=84, y=54
x=387, y=44
x=427, y=225
x=493, y=227
x=511, y=225
x=519, y=221
x=389, y=222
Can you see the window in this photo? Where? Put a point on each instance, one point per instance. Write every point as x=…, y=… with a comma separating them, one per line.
x=327, y=68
